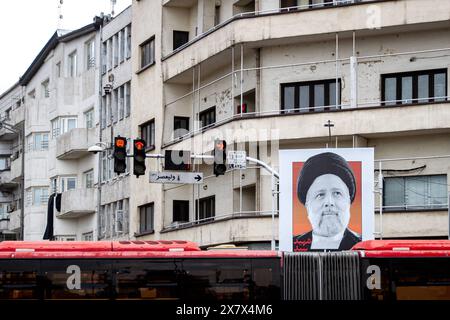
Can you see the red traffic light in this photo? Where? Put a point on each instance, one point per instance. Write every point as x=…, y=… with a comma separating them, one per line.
x=139, y=145
x=121, y=142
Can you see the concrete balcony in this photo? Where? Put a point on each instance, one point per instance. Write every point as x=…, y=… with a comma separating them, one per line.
x=223, y=230
x=6, y=183
x=7, y=135
x=366, y=122
x=16, y=169
x=14, y=220
x=75, y=143
x=77, y=203
x=17, y=115
x=281, y=27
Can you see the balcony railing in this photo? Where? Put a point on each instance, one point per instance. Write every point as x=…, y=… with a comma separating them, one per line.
x=352, y=99
x=218, y=218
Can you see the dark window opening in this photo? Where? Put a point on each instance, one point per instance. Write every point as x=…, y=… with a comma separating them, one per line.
x=181, y=210
x=180, y=126
x=208, y=117
x=180, y=38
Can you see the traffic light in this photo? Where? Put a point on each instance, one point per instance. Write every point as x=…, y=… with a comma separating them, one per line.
x=139, y=157
x=220, y=157
x=120, y=154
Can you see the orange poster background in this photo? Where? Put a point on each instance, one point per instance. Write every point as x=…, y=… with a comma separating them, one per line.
x=300, y=222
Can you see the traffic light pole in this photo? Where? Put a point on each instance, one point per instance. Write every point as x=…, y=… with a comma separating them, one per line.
x=274, y=174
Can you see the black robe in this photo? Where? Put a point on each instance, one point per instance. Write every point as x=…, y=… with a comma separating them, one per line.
x=303, y=242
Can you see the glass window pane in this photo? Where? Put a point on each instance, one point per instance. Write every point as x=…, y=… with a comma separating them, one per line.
x=439, y=87
x=71, y=183
x=438, y=191
x=407, y=92
x=394, y=193
x=289, y=98
x=319, y=96
x=390, y=91
x=416, y=192
x=304, y=98
x=333, y=94
x=423, y=90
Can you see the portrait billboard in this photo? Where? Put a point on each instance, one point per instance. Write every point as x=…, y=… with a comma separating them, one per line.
x=326, y=198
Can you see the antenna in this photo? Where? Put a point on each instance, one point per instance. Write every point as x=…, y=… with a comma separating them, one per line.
x=60, y=14
x=113, y=3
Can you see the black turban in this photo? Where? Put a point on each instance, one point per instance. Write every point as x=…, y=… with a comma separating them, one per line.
x=325, y=163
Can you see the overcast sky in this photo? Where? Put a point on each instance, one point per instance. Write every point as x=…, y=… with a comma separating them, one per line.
x=27, y=25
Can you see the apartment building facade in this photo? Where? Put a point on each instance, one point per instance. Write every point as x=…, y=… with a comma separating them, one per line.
x=267, y=76
x=11, y=163
x=115, y=111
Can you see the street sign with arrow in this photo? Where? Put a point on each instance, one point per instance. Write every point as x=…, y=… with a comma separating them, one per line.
x=176, y=177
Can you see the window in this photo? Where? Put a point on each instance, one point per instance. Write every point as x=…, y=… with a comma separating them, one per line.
x=90, y=54
x=72, y=65
x=415, y=193
x=62, y=125
x=89, y=118
x=88, y=179
x=104, y=57
x=414, y=87
x=122, y=45
x=128, y=49
x=114, y=105
x=66, y=238
x=110, y=57
x=127, y=99
x=45, y=89
x=32, y=94
x=103, y=107
x=180, y=38
x=146, y=214
x=181, y=210
x=5, y=163
x=148, y=52
x=88, y=236
x=116, y=49
x=310, y=96
x=68, y=183
x=58, y=70
x=39, y=196
x=54, y=185
x=119, y=219
x=121, y=101
x=206, y=209
x=148, y=134
x=180, y=126
x=4, y=211
x=37, y=141
x=208, y=117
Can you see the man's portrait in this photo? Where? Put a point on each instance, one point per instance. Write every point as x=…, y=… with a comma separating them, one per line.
x=326, y=187
x=327, y=200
